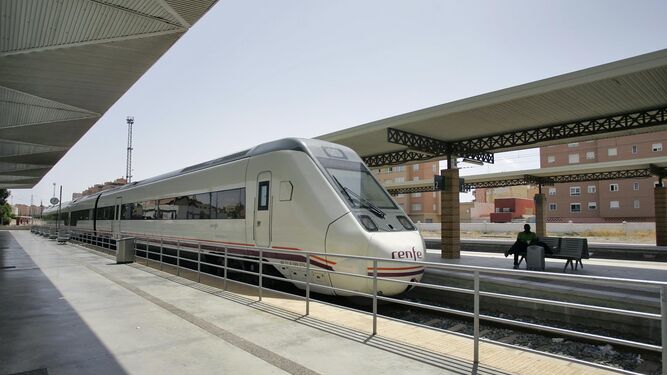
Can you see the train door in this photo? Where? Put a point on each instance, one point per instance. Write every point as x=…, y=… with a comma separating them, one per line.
x=263, y=210
x=116, y=223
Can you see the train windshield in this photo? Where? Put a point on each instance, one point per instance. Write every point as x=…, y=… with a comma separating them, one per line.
x=358, y=185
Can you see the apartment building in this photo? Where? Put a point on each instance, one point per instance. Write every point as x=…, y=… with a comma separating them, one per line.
x=603, y=201
x=421, y=207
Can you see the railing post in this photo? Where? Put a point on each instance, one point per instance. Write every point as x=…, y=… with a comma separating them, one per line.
x=260, y=274
x=178, y=257
x=476, y=320
x=161, y=251
x=199, y=262
x=307, y=284
x=224, y=279
x=375, y=297
x=663, y=327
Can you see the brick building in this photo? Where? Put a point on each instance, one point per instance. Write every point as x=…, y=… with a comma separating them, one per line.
x=100, y=187
x=421, y=207
x=603, y=201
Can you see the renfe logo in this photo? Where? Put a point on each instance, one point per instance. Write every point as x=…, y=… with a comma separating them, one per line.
x=407, y=254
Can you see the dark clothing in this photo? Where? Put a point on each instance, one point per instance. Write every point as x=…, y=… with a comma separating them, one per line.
x=527, y=237
x=520, y=247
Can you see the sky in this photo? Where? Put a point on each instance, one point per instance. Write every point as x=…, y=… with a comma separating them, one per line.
x=253, y=71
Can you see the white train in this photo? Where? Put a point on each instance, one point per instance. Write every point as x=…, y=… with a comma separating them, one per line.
x=291, y=194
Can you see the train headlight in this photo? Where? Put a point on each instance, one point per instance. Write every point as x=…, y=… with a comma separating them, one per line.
x=368, y=223
x=405, y=222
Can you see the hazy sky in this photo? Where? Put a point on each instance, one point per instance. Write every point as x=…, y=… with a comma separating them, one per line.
x=255, y=71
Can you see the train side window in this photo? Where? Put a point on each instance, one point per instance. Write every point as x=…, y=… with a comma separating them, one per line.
x=174, y=208
x=263, y=196
x=231, y=204
x=286, y=189
x=126, y=211
x=200, y=206
x=137, y=211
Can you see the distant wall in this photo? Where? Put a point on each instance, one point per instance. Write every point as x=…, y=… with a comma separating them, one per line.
x=551, y=227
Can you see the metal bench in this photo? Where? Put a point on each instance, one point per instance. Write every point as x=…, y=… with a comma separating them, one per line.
x=573, y=250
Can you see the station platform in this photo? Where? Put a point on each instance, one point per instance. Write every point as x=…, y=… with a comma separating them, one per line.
x=68, y=309
x=625, y=269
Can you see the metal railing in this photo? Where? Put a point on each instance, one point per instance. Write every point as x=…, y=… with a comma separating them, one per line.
x=192, y=255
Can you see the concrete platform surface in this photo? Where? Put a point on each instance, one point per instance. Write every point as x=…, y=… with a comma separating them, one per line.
x=69, y=310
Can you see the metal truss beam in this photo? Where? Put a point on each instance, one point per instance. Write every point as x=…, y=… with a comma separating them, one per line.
x=410, y=190
x=581, y=177
x=534, y=180
x=658, y=171
x=394, y=158
x=480, y=148
x=422, y=148
x=595, y=126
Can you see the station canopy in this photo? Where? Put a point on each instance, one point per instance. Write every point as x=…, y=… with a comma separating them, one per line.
x=612, y=170
x=64, y=63
x=620, y=98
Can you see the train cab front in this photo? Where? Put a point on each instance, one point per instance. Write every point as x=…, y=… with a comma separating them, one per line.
x=375, y=226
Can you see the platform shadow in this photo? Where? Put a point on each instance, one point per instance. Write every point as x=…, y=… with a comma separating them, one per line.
x=40, y=330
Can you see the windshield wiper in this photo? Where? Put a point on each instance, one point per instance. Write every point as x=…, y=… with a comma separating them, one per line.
x=363, y=202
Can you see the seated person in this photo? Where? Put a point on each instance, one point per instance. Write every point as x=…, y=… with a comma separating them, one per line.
x=523, y=240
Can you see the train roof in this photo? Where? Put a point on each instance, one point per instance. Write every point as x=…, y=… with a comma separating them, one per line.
x=294, y=144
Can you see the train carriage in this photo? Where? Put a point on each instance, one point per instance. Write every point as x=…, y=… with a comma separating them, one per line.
x=293, y=195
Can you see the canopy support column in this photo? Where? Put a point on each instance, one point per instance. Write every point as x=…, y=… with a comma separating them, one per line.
x=450, y=223
x=540, y=214
x=660, y=195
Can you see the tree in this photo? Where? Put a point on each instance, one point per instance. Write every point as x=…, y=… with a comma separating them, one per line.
x=6, y=215
x=6, y=212
x=4, y=194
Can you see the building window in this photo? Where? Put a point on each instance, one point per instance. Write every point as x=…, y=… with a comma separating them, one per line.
x=435, y=207
x=575, y=190
x=390, y=169
x=573, y=144
x=399, y=180
x=636, y=203
x=551, y=159
x=575, y=207
x=415, y=178
x=434, y=167
x=591, y=189
x=400, y=168
x=590, y=155
x=415, y=167
x=552, y=191
x=656, y=147
x=592, y=205
x=614, y=204
x=435, y=195
x=634, y=149
x=635, y=186
x=552, y=206
x=573, y=158
x=613, y=187
x=388, y=181
x=416, y=207
x=612, y=151
x=416, y=195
